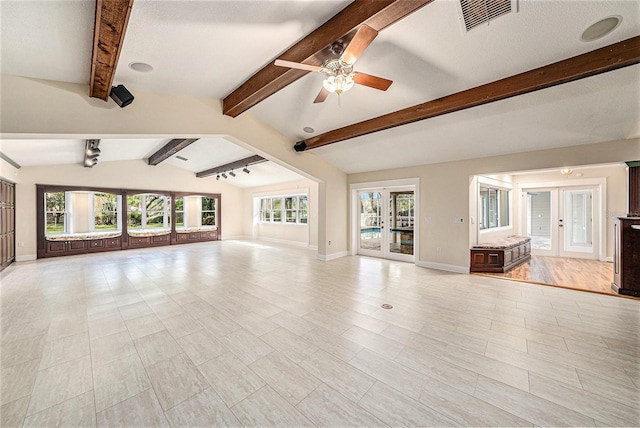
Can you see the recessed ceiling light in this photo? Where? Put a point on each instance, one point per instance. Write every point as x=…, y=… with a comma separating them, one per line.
x=308, y=129
x=141, y=67
x=601, y=28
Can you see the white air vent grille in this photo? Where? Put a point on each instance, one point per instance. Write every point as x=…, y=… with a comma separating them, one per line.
x=478, y=12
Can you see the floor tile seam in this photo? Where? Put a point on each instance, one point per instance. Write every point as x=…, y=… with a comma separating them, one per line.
x=619, y=361
x=355, y=403
x=27, y=415
x=597, y=396
x=552, y=403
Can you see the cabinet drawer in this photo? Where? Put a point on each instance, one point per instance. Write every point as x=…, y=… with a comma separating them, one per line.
x=193, y=235
x=162, y=238
x=134, y=240
x=181, y=237
x=96, y=243
x=56, y=246
x=112, y=242
x=77, y=245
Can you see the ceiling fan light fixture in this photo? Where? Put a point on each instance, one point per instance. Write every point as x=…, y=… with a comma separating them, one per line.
x=338, y=83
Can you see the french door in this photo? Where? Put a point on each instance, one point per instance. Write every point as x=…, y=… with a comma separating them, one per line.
x=562, y=222
x=386, y=223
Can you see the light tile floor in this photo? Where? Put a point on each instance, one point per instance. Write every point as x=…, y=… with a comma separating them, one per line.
x=246, y=333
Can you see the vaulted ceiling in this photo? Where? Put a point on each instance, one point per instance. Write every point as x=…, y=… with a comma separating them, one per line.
x=209, y=48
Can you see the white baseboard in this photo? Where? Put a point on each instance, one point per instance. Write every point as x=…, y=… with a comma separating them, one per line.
x=284, y=241
x=234, y=237
x=313, y=247
x=26, y=258
x=607, y=259
x=333, y=256
x=442, y=266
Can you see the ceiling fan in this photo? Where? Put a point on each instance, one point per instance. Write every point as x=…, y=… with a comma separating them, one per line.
x=339, y=71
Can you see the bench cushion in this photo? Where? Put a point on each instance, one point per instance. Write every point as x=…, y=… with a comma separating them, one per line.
x=508, y=242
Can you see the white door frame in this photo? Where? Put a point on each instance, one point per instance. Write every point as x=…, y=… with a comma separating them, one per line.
x=387, y=185
x=599, y=206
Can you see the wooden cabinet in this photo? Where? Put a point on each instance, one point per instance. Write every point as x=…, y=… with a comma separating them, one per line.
x=69, y=247
x=7, y=224
x=196, y=236
x=149, y=241
x=626, y=257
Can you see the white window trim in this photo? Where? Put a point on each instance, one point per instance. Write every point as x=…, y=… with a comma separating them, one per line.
x=494, y=184
x=283, y=210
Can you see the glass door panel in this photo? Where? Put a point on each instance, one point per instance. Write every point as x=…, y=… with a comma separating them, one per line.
x=540, y=218
x=370, y=221
x=576, y=222
x=402, y=218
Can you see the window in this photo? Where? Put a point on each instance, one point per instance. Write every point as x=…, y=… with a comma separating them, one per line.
x=55, y=212
x=284, y=209
x=148, y=211
x=494, y=207
x=105, y=206
x=208, y=213
x=180, y=212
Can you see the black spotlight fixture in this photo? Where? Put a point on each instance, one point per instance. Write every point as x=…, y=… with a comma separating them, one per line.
x=121, y=96
x=233, y=174
x=224, y=175
x=246, y=169
x=91, y=153
x=218, y=177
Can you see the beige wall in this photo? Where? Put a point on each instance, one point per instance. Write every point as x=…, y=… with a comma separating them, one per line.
x=8, y=172
x=285, y=233
x=127, y=175
x=444, y=191
x=32, y=108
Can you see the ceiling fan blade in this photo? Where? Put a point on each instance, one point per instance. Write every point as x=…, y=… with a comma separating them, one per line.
x=322, y=95
x=372, y=81
x=358, y=44
x=299, y=66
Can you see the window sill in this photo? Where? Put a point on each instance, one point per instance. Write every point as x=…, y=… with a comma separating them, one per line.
x=82, y=236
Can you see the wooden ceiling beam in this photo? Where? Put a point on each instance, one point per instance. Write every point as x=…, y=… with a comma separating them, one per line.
x=609, y=58
x=314, y=49
x=251, y=160
x=170, y=149
x=112, y=17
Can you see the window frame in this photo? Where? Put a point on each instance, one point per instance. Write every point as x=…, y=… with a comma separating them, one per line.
x=268, y=213
x=166, y=212
x=485, y=210
x=118, y=204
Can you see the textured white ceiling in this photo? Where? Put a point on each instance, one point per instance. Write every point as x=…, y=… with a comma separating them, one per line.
x=208, y=48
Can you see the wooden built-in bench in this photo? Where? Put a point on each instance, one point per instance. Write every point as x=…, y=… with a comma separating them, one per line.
x=501, y=255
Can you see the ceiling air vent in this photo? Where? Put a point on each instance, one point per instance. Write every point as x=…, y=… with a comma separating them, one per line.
x=478, y=12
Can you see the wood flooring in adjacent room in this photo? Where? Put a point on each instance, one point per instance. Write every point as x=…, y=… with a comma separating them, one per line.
x=581, y=274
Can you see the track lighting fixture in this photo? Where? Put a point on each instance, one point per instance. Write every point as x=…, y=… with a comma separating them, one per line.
x=121, y=96
x=245, y=169
x=91, y=153
x=233, y=174
x=218, y=177
x=224, y=175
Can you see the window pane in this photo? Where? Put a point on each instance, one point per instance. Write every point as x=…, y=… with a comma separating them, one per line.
x=179, y=204
x=208, y=204
x=105, y=206
x=155, y=219
x=179, y=219
x=291, y=203
x=277, y=215
x=54, y=223
x=208, y=219
x=504, y=208
x=54, y=212
x=291, y=216
x=276, y=204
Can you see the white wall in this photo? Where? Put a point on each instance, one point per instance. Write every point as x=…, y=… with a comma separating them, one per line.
x=445, y=190
x=125, y=175
x=285, y=233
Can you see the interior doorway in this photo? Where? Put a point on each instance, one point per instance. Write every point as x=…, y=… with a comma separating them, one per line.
x=563, y=221
x=385, y=222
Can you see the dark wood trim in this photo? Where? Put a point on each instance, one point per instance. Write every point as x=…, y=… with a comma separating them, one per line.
x=112, y=17
x=634, y=190
x=314, y=49
x=170, y=149
x=609, y=58
x=124, y=239
x=251, y=160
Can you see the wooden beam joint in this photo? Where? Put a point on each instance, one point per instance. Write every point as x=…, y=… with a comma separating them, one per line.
x=170, y=149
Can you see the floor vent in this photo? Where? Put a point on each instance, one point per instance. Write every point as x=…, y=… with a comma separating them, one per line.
x=478, y=12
